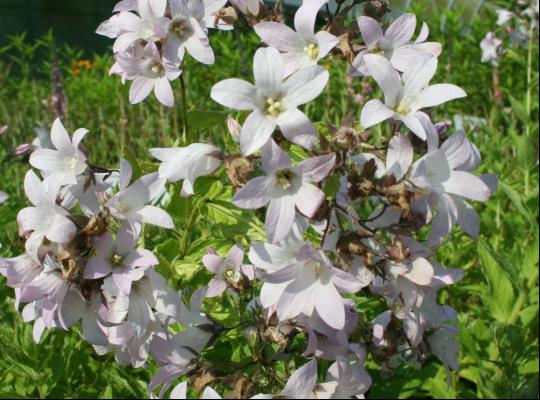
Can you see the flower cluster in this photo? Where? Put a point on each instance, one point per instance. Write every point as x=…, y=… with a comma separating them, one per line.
x=345, y=219
x=514, y=28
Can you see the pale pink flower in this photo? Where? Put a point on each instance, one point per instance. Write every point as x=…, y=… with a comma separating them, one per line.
x=66, y=162
x=286, y=188
x=405, y=96
x=300, y=48
x=395, y=44
x=274, y=102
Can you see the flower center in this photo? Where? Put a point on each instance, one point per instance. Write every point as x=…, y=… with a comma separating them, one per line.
x=403, y=108
x=122, y=207
x=181, y=28
x=317, y=268
x=116, y=260
x=377, y=50
x=157, y=68
x=233, y=275
x=284, y=178
x=274, y=107
x=312, y=51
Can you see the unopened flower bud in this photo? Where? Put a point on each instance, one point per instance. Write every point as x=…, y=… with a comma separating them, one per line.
x=344, y=138
x=227, y=15
x=234, y=129
x=376, y=8
x=251, y=335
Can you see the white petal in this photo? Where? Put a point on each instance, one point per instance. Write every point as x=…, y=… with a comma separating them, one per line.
x=373, y=113
x=234, y=93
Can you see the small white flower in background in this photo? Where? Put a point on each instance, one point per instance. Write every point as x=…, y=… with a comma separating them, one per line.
x=64, y=164
x=300, y=48
x=299, y=386
x=274, y=102
x=491, y=47
x=405, y=96
x=395, y=44
x=504, y=16
x=46, y=219
x=3, y=197
x=187, y=163
x=250, y=8
x=285, y=188
x=130, y=203
x=204, y=11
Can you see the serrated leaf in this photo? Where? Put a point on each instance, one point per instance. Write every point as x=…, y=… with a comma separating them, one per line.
x=515, y=198
x=501, y=299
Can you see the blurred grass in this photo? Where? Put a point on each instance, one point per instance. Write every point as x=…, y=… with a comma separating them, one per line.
x=497, y=302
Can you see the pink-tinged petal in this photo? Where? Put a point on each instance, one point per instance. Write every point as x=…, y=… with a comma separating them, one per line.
x=421, y=272
x=273, y=158
x=297, y=128
x=214, y=263
x=279, y=218
x=155, y=216
x=315, y=169
x=326, y=42
x=302, y=382
x=33, y=188
x=124, y=41
x=140, y=89
x=309, y=199
x=297, y=298
x=399, y=156
x=216, y=287
x=234, y=93
x=210, y=393
x=60, y=137
x=141, y=258
x=126, y=239
x=374, y=112
x=345, y=282
x=249, y=271
x=72, y=309
x=163, y=92
x=268, y=71
x=97, y=267
x=179, y=391
x=370, y=29
x=468, y=218
x=122, y=282
x=254, y=194
x=329, y=305
x=491, y=181
x=280, y=36
x=125, y=174
x=380, y=323
x=418, y=74
x=424, y=33
x=401, y=30
x=438, y=94
x=467, y=185
x=386, y=77
x=257, y=130
x=235, y=257
x=358, y=67
x=414, y=124
x=444, y=220
x=62, y=230
x=413, y=329
x=200, y=51
x=271, y=293
x=304, y=19
x=305, y=85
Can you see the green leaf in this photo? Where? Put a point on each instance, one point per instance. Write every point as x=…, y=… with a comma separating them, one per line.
x=205, y=119
x=515, y=198
x=501, y=299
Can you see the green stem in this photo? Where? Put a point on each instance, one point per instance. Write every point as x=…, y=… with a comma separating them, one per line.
x=184, y=243
x=529, y=77
x=185, y=133
x=522, y=298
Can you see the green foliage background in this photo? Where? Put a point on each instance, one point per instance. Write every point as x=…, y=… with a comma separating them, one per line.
x=497, y=302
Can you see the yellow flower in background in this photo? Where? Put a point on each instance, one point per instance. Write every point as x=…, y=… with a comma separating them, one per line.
x=80, y=65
